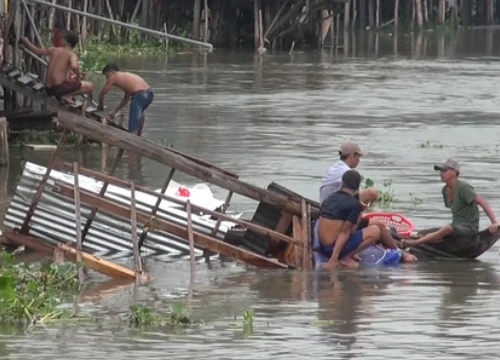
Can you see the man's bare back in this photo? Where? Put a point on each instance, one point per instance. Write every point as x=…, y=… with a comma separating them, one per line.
x=61, y=62
x=128, y=82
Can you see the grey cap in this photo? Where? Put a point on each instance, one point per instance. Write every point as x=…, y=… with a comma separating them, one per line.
x=349, y=148
x=449, y=164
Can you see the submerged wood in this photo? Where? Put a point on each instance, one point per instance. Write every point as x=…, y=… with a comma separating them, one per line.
x=278, y=234
x=202, y=240
x=91, y=261
x=149, y=149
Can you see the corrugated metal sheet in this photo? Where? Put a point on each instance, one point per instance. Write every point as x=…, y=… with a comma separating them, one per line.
x=54, y=217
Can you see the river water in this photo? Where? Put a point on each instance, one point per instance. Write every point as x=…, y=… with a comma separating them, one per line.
x=408, y=102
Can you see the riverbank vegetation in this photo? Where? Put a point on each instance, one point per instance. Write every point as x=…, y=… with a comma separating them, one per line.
x=260, y=24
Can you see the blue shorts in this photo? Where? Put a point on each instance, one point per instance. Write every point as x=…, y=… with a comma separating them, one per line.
x=138, y=104
x=351, y=244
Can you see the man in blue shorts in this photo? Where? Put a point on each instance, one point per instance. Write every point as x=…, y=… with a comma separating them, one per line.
x=136, y=90
x=337, y=230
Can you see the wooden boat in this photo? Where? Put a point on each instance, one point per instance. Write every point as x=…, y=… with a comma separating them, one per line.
x=454, y=248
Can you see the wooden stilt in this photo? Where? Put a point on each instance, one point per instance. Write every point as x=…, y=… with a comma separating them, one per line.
x=156, y=207
x=41, y=187
x=192, y=259
x=112, y=170
x=304, y=226
x=135, y=243
x=78, y=222
x=4, y=142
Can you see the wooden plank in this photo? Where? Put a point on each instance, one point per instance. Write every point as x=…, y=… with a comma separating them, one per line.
x=135, y=242
x=100, y=265
x=78, y=223
x=112, y=170
x=202, y=240
x=154, y=151
x=145, y=230
x=41, y=186
x=14, y=238
x=192, y=260
x=274, y=234
x=91, y=261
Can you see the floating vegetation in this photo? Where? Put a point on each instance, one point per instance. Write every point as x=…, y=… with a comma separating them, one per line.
x=386, y=195
x=429, y=145
x=33, y=293
x=415, y=200
x=143, y=316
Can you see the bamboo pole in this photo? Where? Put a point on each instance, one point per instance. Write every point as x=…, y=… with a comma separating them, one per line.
x=347, y=14
x=93, y=212
x=396, y=17
x=78, y=223
x=25, y=227
x=205, y=34
x=145, y=229
x=125, y=25
x=135, y=243
x=192, y=260
x=304, y=227
x=309, y=238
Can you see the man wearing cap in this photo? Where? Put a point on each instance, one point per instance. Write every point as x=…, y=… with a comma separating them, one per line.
x=463, y=202
x=337, y=227
x=350, y=154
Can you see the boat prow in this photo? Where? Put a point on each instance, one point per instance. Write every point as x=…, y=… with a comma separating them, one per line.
x=457, y=247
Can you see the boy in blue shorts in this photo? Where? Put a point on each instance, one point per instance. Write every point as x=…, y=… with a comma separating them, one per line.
x=337, y=230
x=136, y=90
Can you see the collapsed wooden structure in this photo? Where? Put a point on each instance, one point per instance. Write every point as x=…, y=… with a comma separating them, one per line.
x=277, y=237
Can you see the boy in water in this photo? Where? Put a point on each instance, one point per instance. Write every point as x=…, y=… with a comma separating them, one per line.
x=135, y=89
x=62, y=62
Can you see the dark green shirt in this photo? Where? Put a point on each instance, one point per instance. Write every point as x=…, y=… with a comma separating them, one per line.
x=463, y=207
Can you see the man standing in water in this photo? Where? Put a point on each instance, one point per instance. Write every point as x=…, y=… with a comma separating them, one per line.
x=339, y=237
x=62, y=61
x=463, y=202
x=135, y=89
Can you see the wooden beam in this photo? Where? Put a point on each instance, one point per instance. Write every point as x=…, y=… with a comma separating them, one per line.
x=90, y=261
x=277, y=234
x=151, y=150
x=202, y=240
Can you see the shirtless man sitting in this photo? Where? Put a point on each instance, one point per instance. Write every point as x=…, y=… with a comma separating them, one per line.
x=136, y=90
x=338, y=220
x=62, y=61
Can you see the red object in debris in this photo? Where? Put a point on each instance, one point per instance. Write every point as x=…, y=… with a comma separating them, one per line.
x=183, y=191
x=57, y=39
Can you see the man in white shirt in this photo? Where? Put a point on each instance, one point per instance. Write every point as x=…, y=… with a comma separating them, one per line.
x=350, y=154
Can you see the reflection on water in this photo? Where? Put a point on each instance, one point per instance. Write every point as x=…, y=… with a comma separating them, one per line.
x=409, y=101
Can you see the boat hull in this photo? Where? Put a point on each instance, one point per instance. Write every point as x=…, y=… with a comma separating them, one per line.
x=457, y=247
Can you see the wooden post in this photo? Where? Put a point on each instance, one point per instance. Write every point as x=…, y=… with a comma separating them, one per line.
x=396, y=11
x=347, y=13
x=4, y=142
x=441, y=12
x=25, y=228
x=256, y=30
x=418, y=10
x=303, y=225
x=308, y=238
x=135, y=243
x=105, y=148
x=196, y=19
x=112, y=170
x=145, y=229
x=377, y=15
x=78, y=222
x=205, y=30
x=191, y=241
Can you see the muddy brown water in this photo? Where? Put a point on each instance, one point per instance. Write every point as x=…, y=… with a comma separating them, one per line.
x=282, y=119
